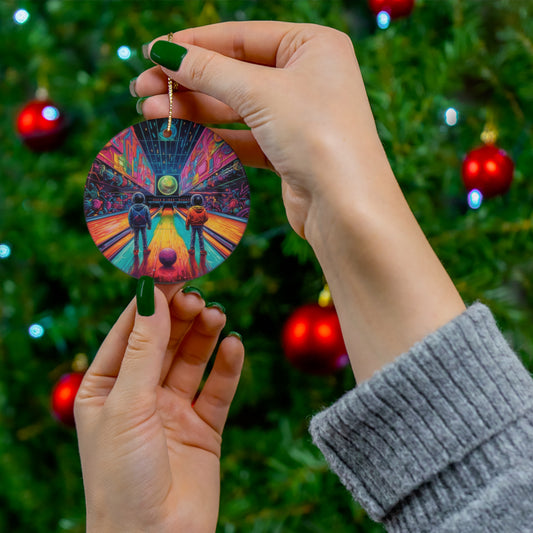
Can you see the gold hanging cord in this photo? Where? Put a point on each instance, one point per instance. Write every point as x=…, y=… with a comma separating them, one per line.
x=172, y=86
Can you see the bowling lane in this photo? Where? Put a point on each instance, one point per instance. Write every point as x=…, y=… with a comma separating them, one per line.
x=213, y=257
x=105, y=228
x=109, y=230
x=165, y=236
x=123, y=256
x=231, y=229
x=223, y=232
x=168, y=231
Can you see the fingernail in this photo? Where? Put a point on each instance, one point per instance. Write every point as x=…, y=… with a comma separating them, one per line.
x=146, y=50
x=192, y=290
x=145, y=296
x=139, y=105
x=235, y=334
x=167, y=54
x=216, y=305
x=133, y=92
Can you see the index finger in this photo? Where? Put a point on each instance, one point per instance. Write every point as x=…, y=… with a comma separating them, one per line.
x=252, y=41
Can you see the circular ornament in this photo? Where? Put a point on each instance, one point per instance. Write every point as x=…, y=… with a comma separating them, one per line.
x=63, y=396
x=170, y=206
x=312, y=340
x=488, y=169
x=395, y=8
x=41, y=125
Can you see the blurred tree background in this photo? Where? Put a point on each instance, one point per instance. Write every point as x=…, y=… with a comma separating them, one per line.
x=473, y=55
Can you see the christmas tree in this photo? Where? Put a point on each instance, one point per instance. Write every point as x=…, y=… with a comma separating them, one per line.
x=436, y=79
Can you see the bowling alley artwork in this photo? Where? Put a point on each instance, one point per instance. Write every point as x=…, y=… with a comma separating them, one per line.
x=171, y=207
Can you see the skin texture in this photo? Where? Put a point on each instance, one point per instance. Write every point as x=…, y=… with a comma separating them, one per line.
x=149, y=457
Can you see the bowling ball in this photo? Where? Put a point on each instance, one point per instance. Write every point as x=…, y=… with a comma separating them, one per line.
x=167, y=185
x=167, y=256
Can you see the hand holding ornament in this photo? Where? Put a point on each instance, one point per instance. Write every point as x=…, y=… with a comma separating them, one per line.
x=149, y=446
x=299, y=89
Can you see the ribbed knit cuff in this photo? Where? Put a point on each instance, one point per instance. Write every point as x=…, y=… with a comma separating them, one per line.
x=429, y=428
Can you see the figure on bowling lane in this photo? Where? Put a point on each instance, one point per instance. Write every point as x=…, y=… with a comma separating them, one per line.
x=196, y=218
x=139, y=219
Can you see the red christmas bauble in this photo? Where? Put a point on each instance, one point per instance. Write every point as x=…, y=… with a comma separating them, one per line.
x=488, y=169
x=41, y=125
x=312, y=340
x=63, y=396
x=395, y=8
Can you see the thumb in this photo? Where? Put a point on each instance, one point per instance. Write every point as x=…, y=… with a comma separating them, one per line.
x=140, y=370
x=229, y=80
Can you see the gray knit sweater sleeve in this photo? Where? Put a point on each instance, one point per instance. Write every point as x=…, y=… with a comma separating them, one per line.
x=440, y=440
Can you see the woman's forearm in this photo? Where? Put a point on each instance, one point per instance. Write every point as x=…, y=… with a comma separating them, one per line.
x=388, y=285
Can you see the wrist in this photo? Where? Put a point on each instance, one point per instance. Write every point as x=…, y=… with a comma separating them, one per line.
x=102, y=518
x=104, y=526
x=389, y=288
x=351, y=193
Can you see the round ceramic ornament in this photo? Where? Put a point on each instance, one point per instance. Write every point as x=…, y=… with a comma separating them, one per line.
x=166, y=199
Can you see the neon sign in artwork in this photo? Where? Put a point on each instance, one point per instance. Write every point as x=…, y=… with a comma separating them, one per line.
x=125, y=154
x=209, y=154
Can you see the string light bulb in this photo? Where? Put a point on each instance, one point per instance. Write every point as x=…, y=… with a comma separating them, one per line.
x=5, y=251
x=451, y=116
x=21, y=16
x=124, y=52
x=36, y=331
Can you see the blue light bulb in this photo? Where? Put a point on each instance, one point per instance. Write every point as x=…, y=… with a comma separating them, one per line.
x=124, y=52
x=383, y=20
x=475, y=198
x=50, y=112
x=36, y=331
x=5, y=251
x=21, y=16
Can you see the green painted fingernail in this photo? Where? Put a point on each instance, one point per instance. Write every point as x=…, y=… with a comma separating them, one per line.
x=235, y=334
x=167, y=54
x=145, y=296
x=133, y=92
x=139, y=105
x=192, y=290
x=218, y=306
